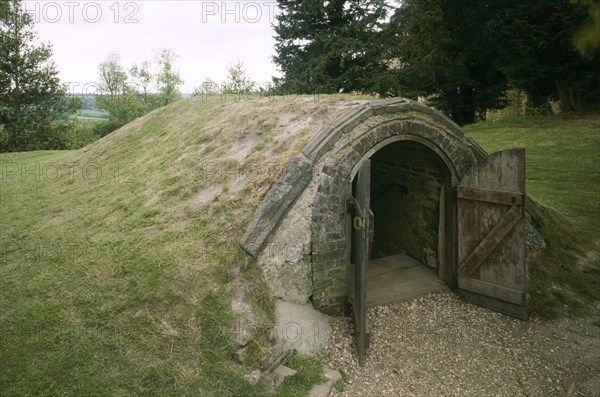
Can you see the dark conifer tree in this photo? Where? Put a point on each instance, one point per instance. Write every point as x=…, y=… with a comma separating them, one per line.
x=330, y=46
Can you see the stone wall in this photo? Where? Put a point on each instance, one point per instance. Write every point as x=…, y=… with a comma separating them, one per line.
x=405, y=198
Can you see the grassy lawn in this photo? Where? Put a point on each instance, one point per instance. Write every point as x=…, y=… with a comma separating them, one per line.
x=563, y=173
x=116, y=259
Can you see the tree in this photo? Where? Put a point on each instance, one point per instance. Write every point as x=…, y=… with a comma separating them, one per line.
x=123, y=100
x=330, y=46
x=34, y=106
x=142, y=79
x=112, y=76
x=587, y=37
x=442, y=53
x=126, y=99
x=237, y=81
x=538, y=55
x=4, y=8
x=168, y=79
x=462, y=55
x=208, y=87
x=122, y=108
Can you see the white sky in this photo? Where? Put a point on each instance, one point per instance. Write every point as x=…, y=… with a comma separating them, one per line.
x=208, y=36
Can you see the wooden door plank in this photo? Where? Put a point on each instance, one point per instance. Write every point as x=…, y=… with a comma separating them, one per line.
x=489, y=195
x=491, y=237
x=502, y=171
x=489, y=242
x=500, y=306
x=362, y=227
x=492, y=290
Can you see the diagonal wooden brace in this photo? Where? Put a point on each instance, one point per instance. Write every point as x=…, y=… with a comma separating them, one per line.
x=487, y=245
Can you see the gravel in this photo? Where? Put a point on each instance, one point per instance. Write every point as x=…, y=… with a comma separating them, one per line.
x=438, y=345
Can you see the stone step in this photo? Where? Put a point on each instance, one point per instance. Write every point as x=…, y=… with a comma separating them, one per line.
x=276, y=378
x=324, y=389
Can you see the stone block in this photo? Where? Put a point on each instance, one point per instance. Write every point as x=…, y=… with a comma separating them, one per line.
x=301, y=328
x=335, y=309
x=253, y=377
x=331, y=374
x=241, y=354
x=389, y=105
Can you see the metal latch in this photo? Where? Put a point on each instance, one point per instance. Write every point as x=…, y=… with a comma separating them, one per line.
x=359, y=223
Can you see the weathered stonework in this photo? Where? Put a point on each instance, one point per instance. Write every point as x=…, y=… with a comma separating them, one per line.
x=298, y=235
x=286, y=258
x=292, y=182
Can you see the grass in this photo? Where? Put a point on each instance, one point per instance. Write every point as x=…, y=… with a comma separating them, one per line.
x=562, y=173
x=115, y=265
x=116, y=259
x=91, y=116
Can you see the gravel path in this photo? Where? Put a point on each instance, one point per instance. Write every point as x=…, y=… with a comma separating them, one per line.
x=439, y=345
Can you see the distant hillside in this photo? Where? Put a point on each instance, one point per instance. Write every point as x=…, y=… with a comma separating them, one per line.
x=89, y=101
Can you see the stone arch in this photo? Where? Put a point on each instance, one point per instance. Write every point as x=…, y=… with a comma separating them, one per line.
x=298, y=234
x=411, y=138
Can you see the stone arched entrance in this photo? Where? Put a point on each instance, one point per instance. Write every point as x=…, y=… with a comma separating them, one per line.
x=412, y=226
x=331, y=251
x=301, y=234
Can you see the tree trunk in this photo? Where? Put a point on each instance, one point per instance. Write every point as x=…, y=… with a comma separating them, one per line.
x=537, y=104
x=570, y=99
x=462, y=108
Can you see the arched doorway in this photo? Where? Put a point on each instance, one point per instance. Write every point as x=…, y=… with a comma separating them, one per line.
x=309, y=212
x=411, y=251
x=419, y=224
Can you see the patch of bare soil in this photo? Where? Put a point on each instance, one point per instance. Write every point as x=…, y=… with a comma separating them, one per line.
x=439, y=345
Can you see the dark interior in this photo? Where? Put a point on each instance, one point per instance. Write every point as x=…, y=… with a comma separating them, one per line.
x=411, y=203
x=406, y=183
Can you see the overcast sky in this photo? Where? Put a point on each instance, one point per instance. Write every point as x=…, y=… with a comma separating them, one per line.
x=208, y=36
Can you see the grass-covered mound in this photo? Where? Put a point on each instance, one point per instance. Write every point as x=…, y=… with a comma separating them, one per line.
x=116, y=259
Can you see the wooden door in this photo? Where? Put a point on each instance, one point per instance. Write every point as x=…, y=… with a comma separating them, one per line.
x=491, y=234
x=361, y=220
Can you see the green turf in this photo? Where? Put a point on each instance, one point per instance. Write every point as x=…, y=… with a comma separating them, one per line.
x=91, y=116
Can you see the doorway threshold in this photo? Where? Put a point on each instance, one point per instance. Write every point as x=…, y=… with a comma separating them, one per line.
x=399, y=278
